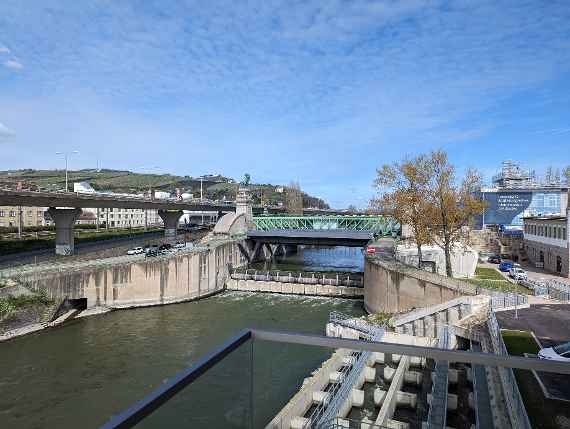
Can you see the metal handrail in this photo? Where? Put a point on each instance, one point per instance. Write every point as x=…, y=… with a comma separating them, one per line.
x=161, y=395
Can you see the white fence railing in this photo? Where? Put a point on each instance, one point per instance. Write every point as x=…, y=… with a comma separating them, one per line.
x=513, y=398
x=548, y=288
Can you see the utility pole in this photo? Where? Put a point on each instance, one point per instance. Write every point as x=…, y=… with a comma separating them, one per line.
x=202, y=196
x=66, y=156
x=20, y=222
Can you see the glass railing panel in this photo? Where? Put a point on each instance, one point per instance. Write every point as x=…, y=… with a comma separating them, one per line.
x=219, y=398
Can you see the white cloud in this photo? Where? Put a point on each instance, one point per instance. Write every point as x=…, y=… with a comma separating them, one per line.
x=5, y=132
x=13, y=64
x=4, y=50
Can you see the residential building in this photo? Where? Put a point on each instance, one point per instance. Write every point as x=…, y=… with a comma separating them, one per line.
x=31, y=216
x=546, y=242
x=126, y=218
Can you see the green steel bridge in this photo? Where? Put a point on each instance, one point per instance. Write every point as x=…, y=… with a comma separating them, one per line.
x=380, y=225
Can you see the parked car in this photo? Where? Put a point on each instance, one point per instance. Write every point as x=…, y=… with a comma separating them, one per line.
x=517, y=273
x=505, y=266
x=494, y=259
x=180, y=245
x=135, y=251
x=164, y=246
x=151, y=250
x=560, y=353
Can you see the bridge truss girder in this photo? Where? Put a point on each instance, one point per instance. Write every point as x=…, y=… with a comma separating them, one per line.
x=380, y=225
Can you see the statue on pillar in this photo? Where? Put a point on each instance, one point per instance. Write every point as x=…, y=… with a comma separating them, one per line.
x=244, y=200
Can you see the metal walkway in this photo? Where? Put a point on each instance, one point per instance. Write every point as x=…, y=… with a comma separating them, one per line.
x=483, y=413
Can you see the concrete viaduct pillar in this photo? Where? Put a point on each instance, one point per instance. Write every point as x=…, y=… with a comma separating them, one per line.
x=64, y=220
x=170, y=219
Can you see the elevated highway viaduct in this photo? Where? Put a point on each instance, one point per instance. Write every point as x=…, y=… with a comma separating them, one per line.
x=65, y=209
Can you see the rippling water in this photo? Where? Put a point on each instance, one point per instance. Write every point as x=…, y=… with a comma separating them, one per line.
x=80, y=374
x=308, y=258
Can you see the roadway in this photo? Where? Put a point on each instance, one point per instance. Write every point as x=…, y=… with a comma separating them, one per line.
x=92, y=250
x=77, y=200
x=12, y=198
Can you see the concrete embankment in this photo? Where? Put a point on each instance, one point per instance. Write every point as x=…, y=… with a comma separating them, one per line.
x=116, y=283
x=294, y=288
x=119, y=283
x=391, y=286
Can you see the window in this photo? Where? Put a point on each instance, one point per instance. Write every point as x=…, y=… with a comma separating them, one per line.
x=12, y=213
x=2, y=214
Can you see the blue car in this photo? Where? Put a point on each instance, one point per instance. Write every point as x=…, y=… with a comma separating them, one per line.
x=505, y=266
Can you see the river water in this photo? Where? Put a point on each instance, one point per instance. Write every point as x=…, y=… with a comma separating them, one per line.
x=82, y=373
x=309, y=258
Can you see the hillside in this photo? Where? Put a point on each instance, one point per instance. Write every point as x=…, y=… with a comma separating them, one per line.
x=214, y=187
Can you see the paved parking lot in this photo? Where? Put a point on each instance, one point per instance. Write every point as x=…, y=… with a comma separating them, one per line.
x=549, y=322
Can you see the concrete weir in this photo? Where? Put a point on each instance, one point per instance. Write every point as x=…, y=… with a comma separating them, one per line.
x=294, y=288
x=316, y=389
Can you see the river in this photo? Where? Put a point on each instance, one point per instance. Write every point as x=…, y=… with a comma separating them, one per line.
x=80, y=374
x=309, y=258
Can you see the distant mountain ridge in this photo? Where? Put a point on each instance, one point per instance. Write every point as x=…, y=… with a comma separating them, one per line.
x=215, y=187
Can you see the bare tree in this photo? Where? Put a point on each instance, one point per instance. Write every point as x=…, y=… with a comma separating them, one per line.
x=566, y=174
x=406, y=199
x=294, y=199
x=453, y=203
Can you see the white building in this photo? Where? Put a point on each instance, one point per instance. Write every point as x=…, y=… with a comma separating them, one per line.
x=119, y=218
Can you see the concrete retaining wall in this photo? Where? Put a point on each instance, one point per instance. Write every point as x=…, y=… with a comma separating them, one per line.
x=294, y=288
x=144, y=282
x=391, y=286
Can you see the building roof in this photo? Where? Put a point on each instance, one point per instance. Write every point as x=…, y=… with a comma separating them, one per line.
x=546, y=217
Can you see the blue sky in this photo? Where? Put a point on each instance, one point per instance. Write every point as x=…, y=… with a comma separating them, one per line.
x=322, y=92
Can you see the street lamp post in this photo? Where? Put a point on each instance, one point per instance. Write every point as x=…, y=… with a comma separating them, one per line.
x=66, y=156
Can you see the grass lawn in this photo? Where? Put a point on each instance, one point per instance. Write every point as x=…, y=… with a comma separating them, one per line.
x=488, y=273
x=542, y=412
x=490, y=278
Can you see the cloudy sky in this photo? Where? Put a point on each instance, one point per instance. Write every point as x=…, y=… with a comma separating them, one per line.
x=322, y=92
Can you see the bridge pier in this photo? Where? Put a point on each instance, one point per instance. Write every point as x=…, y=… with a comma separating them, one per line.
x=64, y=220
x=170, y=219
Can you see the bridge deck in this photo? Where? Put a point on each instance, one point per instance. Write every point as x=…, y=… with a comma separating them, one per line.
x=330, y=237
x=71, y=199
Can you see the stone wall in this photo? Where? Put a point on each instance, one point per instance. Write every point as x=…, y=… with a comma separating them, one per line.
x=391, y=286
x=150, y=281
x=294, y=288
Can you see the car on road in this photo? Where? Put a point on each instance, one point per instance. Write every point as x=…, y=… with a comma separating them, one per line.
x=151, y=250
x=135, y=251
x=506, y=266
x=560, y=353
x=517, y=273
x=180, y=245
x=494, y=259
